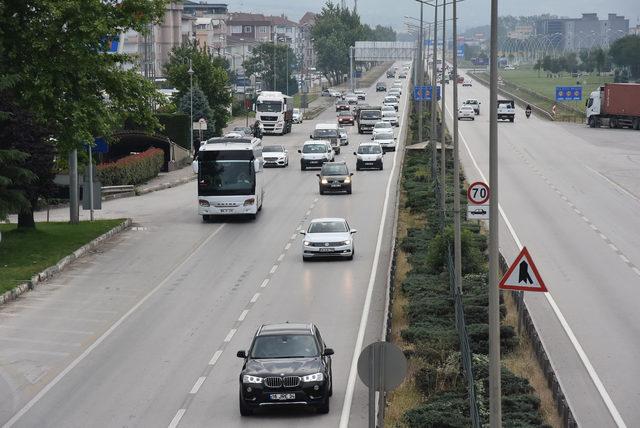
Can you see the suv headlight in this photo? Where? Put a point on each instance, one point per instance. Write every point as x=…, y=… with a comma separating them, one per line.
x=324, y=181
x=347, y=242
x=316, y=377
x=251, y=379
x=307, y=243
x=347, y=180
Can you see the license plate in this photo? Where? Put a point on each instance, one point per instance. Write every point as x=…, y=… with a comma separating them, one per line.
x=335, y=185
x=282, y=397
x=326, y=250
x=369, y=163
x=226, y=210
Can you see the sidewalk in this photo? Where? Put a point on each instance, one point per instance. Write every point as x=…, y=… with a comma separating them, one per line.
x=164, y=180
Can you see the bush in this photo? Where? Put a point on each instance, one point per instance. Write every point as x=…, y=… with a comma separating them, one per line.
x=448, y=410
x=133, y=169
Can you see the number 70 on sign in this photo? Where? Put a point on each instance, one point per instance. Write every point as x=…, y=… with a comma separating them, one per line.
x=478, y=193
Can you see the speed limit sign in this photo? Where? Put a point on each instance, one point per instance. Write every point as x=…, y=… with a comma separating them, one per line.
x=478, y=193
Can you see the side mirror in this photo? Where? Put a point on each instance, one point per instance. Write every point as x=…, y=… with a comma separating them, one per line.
x=302, y=232
x=351, y=174
x=310, y=136
x=355, y=153
x=327, y=352
x=318, y=175
x=299, y=151
x=372, y=138
x=353, y=231
x=241, y=354
x=395, y=139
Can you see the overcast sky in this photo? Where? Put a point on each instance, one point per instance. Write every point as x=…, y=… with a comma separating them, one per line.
x=471, y=12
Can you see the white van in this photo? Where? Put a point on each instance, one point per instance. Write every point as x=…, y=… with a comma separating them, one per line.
x=328, y=132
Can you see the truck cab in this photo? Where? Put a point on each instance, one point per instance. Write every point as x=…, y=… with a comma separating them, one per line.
x=275, y=111
x=506, y=110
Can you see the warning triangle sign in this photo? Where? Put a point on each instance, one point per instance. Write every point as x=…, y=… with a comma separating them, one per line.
x=523, y=275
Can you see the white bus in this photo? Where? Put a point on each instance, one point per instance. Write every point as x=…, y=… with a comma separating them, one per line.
x=230, y=177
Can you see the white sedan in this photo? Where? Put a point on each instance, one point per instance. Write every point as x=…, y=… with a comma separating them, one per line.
x=386, y=141
x=391, y=101
x=466, y=112
x=382, y=128
x=275, y=155
x=328, y=237
x=391, y=117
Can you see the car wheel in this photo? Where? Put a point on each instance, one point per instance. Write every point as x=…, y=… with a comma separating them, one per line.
x=381, y=166
x=205, y=218
x=244, y=409
x=321, y=191
x=349, y=190
x=358, y=168
x=302, y=166
x=324, y=407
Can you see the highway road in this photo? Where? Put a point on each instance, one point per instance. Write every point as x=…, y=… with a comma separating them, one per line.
x=144, y=331
x=571, y=195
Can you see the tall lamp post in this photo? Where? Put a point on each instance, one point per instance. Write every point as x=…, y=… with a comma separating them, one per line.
x=244, y=88
x=190, y=71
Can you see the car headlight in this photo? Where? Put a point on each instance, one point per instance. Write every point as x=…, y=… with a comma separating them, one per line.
x=307, y=243
x=251, y=379
x=347, y=180
x=347, y=242
x=324, y=181
x=316, y=377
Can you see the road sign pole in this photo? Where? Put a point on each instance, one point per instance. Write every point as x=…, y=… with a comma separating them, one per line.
x=457, y=241
x=495, y=405
x=372, y=389
x=420, y=74
x=90, y=183
x=74, y=214
x=434, y=98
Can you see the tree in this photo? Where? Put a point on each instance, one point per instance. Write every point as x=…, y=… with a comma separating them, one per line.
x=625, y=52
x=201, y=109
x=209, y=74
x=261, y=63
x=19, y=131
x=55, y=52
x=334, y=31
x=13, y=174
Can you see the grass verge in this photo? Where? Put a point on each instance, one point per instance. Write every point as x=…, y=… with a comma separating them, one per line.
x=24, y=253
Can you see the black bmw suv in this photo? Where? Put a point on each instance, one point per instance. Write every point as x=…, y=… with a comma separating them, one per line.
x=287, y=364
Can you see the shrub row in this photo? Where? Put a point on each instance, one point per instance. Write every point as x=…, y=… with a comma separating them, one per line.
x=133, y=169
x=431, y=317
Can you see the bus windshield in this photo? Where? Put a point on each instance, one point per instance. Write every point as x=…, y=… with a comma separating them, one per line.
x=270, y=106
x=226, y=177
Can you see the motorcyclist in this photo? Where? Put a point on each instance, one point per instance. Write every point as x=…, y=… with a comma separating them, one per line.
x=258, y=129
x=527, y=111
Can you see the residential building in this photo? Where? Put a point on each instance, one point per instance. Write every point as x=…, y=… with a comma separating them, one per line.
x=210, y=24
x=584, y=33
x=286, y=31
x=244, y=31
x=306, y=48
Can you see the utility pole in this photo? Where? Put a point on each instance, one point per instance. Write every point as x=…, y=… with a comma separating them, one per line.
x=443, y=151
x=351, y=87
x=190, y=71
x=74, y=213
x=457, y=250
x=495, y=395
x=275, y=42
x=420, y=72
x=434, y=98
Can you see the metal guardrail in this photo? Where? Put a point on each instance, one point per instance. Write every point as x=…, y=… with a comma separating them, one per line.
x=107, y=190
x=461, y=325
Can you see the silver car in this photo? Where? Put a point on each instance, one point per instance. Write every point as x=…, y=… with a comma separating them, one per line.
x=297, y=115
x=328, y=237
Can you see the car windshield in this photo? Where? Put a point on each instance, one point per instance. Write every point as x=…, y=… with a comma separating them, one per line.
x=382, y=125
x=242, y=129
x=271, y=149
x=389, y=114
x=383, y=136
x=327, y=227
x=370, y=114
x=345, y=113
x=296, y=111
x=225, y=177
x=314, y=148
x=335, y=169
x=325, y=133
x=270, y=106
x=369, y=150
x=285, y=346
x=390, y=100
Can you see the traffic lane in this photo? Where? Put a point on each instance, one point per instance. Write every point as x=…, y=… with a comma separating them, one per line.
x=184, y=321
x=310, y=289
x=570, y=268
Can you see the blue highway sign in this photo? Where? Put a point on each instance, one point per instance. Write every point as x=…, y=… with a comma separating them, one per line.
x=568, y=93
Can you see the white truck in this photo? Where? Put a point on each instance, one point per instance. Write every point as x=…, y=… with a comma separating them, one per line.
x=506, y=110
x=275, y=111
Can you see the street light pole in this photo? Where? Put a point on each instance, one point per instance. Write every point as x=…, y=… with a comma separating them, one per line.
x=275, y=42
x=190, y=71
x=434, y=98
x=457, y=250
x=495, y=405
x=420, y=72
x=443, y=151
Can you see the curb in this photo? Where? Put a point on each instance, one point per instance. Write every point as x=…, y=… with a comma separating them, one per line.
x=51, y=271
x=162, y=186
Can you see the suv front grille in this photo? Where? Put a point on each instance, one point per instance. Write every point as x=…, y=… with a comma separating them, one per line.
x=327, y=244
x=279, y=382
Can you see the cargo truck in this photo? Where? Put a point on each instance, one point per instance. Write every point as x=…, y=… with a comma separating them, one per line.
x=616, y=105
x=275, y=111
x=367, y=117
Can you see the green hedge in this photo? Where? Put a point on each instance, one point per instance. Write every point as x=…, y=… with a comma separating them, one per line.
x=430, y=316
x=133, y=169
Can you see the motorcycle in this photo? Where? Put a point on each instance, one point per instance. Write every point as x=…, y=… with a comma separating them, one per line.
x=527, y=112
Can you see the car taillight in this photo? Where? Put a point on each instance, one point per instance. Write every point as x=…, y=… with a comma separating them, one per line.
x=203, y=203
x=249, y=201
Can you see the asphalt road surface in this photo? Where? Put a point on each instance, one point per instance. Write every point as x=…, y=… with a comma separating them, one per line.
x=144, y=331
x=571, y=195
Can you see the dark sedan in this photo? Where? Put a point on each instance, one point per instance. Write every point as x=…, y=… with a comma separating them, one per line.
x=335, y=176
x=287, y=364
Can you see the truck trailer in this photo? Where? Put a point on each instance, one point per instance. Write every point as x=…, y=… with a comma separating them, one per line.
x=616, y=105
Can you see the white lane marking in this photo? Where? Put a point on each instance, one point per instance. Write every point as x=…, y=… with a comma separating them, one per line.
x=215, y=357
x=67, y=311
x=176, y=419
x=273, y=269
x=48, y=330
x=106, y=334
x=624, y=258
x=38, y=342
x=307, y=213
x=280, y=257
x=353, y=371
x=585, y=219
x=614, y=184
x=613, y=247
x=636, y=270
x=315, y=200
x=255, y=298
x=243, y=315
x=197, y=385
x=293, y=237
x=603, y=236
x=230, y=335
x=264, y=283
x=565, y=325
x=286, y=247
x=594, y=227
